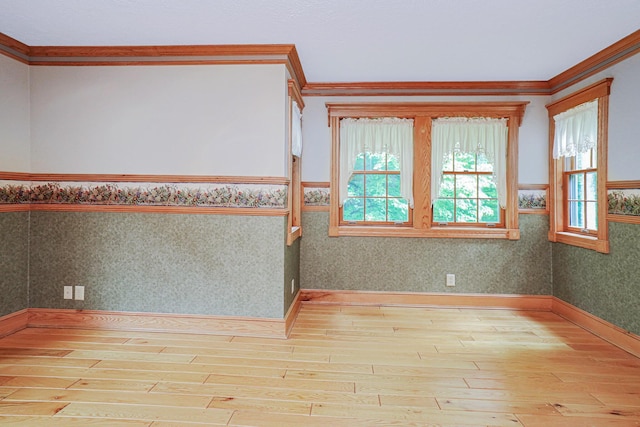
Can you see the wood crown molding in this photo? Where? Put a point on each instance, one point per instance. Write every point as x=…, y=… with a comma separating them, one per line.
x=287, y=54
x=156, y=55
x=600, y=61
x=487, y=88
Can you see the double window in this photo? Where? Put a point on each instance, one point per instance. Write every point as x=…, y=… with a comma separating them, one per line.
x=424, y=170
x=578, y=168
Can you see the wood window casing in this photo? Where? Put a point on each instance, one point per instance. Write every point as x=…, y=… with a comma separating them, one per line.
x=559, y=229
x=294, y=194
x=422, y=115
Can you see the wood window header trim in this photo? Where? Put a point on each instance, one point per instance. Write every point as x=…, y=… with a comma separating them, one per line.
x=437, y=109
x=586, y=94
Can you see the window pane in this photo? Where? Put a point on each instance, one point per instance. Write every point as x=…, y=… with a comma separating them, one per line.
x=394, y=185
x=376, y=185
x=367, y=161
x=356, y=185
x=466, y=210
x=359, y=165
x=446, y=186
x=576, y=214
x=393, y=163
x=576, y=186
x=592, y=215
x=467, y=186
x=443, y=210
x=583, y=161
x=487, y=187
x=464, y=162
x=398, y=210
x=489, y=211
x=592, y=186
x=376, y=209
x=353, y=210
x=483, y=164
x=447, y=164
x=378, y=161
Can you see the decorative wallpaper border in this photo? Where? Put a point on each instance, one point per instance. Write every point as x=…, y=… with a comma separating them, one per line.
x=624, y=202
x=528, y=199
x=147, y=194
x=533, y=199
x=317, y=196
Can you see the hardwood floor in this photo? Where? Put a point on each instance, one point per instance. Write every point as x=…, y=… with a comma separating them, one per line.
x=342, y=366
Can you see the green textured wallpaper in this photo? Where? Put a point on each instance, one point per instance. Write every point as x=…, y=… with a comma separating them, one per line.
x=162, y=263
x=605, y=285
x=291, y=272
x=420, y=264
x=14, y=261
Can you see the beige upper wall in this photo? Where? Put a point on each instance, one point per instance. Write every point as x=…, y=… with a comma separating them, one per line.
x=177, y=119
x=14, y=116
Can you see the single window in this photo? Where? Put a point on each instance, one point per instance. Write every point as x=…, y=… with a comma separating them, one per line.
x=469, y=161
x=578, y=148
x=376, y=183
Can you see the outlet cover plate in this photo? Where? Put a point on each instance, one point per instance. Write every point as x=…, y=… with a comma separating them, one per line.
x=79, y=293
x=68, y=292
x=451, y=279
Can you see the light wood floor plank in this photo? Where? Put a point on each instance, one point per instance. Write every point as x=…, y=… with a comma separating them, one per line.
x=342, y=366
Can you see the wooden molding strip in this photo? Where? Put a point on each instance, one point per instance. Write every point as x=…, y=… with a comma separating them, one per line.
x=228, y=51
x=14, y=49
x=15, y=208
x=413, y=299
x=13, y=322
x=426, y=88
x=626, y=219
x=55, y=177
x=533, y=186
x=292, y=314
x=623, y=185
x=156, y=322
x=605, y=330
x=315, y=184
x=313, y=208
x=15, y=176
x=602, y=60
x=288, y=55
x=159, y=209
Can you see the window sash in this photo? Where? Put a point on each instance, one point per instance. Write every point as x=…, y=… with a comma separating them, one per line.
x=384, y=135
x=477, y=135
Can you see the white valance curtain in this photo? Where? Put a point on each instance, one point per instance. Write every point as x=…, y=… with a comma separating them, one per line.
x=481, y=135
x=296, y=130
x=576, y=130
x=391, y=135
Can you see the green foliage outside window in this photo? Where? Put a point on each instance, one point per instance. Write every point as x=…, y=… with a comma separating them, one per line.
x=467, y=191
x=374, y=190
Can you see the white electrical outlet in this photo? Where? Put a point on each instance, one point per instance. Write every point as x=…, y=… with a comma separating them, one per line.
x=293, y=285
x=79, y=293
x=68, y=292
x=451, y=279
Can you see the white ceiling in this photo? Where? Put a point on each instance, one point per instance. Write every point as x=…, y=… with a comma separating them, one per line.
x=350, y=40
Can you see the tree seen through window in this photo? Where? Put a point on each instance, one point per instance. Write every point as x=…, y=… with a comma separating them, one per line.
x=468, y=192
x=374, y=191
